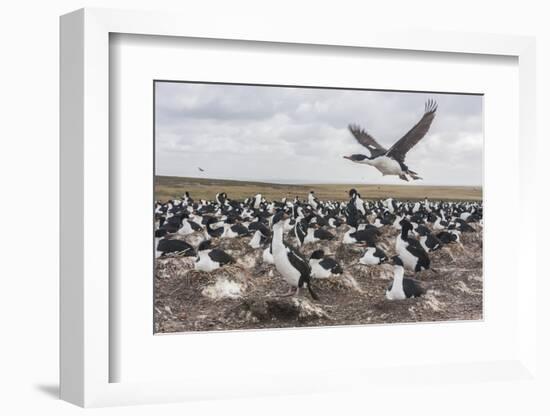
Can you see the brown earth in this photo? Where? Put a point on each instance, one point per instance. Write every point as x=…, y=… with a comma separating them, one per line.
x=185, y=299
x=171, y=187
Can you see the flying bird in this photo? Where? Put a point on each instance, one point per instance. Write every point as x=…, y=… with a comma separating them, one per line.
x=392, y=161
x=201, y=169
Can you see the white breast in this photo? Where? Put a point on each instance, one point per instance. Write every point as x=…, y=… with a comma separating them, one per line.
x=423, y=242
x=228, y=232
x=285, y=268
x=317, y=271
x=369, y=258
x=287, y=226
x=185, y=228
x=205, y=263
x=267, y=257
x=157, y=253
x=396, y=292
x=409, y=261
x=387, y=166
x=310, y=237
x=255, y=241
x=347, y=238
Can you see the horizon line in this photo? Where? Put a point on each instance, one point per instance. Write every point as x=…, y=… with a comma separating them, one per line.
x=298, y=182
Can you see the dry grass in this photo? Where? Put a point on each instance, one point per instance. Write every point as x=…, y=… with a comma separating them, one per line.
x=169, y=187
x=189, y=300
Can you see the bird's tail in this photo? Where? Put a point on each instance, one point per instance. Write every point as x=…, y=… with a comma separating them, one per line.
x=311, y=292
x=414, y=175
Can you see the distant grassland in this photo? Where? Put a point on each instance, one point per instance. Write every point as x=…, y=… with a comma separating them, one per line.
x=170, y=187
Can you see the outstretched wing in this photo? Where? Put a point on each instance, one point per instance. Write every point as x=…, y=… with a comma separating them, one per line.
x=367, y=140
x=399, y=150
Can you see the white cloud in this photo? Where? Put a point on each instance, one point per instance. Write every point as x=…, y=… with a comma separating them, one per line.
x=298, y=134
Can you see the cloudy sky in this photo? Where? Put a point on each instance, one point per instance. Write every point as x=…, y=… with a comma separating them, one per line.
x=299, y=135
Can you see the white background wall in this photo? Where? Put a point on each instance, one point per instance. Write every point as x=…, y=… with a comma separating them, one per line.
x=29, y=57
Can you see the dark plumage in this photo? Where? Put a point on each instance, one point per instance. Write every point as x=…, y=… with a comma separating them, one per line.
x=446, y=237
x=428, y=241
x=403, y=287
x=410, y=250
x=213, y=232
x=392, y=161
x=220, y=256
x=323, y=234
x=322, y=266
x=175, y=246
x=300, y=264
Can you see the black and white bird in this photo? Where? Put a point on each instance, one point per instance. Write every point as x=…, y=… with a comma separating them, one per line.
x=447, y=237
x=392, y=161
x=356, y=200
x=292, y=266
x=267, y=255
x=402, y=287
x=234, y=229
x=210, y=259
x=260, y=237
x=427, y=240
x=358, y=232
x=165, y=246
x=316, y=233
x=411, y=252
x=188, y=226
x=373, y=256
x=353, y=236
x=257, y=201
x=212, y=232
x=312, y=200
x=323, y=267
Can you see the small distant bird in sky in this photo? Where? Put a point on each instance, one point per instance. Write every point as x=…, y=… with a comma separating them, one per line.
x=201, y=169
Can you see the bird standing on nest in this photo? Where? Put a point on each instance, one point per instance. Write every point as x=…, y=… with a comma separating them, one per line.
x=292, y=266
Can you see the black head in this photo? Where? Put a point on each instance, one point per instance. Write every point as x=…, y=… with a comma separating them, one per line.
x=352, y=192
x=205, y=245
x=279, y=216
x=405, y=224
x=356, y=157
x=367, y=243
x=422, y=231
x=230, y=219
x=318, y=254
x=396, y=261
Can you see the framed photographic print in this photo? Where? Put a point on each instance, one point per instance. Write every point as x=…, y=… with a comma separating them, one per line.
x=255, y=192
x=270, y=214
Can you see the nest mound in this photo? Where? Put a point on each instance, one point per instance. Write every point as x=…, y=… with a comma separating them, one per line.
x=284, y=309
x=344, y=282
x=247, y=294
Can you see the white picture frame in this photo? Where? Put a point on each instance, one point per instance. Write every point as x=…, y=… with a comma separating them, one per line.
x=86, y=356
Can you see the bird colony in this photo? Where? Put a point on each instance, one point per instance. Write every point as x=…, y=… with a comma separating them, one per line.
x=237, y=264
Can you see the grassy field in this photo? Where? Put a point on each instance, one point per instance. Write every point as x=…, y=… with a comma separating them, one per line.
x=169, y=187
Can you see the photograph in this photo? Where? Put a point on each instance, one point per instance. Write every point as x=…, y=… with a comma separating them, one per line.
x=280, y=206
